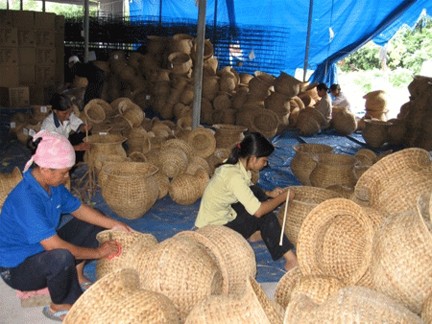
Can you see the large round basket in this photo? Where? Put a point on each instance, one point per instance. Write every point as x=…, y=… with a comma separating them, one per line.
x=286, y=285
x=130, y=188
x=227, y=135
x=118, y=298
x=203, y=141
x=306, y=159
x=306, y=199
x=393, y=184
x=264, y=121
x=97, y=110
x=401, y=253
x=232, y=253
x=109, y=144
x=131, y=244
x=336, y=240
x=182, y=270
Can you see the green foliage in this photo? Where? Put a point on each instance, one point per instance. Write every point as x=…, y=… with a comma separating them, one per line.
x=403, y=51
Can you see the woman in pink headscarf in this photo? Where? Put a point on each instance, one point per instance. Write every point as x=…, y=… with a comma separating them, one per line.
x=34, y=252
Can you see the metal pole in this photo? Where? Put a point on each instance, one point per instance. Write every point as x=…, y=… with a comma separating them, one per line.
x=86, y=30
x=306, y=59
x=198, y=66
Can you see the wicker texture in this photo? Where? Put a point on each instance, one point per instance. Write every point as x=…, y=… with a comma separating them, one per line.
x=184, y=189
x=131, y=112
x=97, y=110
x=109, y=144
x=163, y=184
x=203, y=141
x=349, y=305
x=375, y=133
x=130, y=188
x=8, y=181
x=182, y=270
x=287, y=85
x=231, y=252
x=343, y=121
x=393, y=184
x=228, y=135
x=173, y=162
x=400, y=264
x=286, y=285
x=318, y=287
x=227, y=309
x=264, y=121
x=426, y=313
x=197, y=163
x=118, y=298
x=334, y=169
x=306, y=198
x=306, y=159
x=131, y=244
x=336, y=240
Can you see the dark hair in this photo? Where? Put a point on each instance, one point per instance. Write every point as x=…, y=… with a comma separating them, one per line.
x=60, y=102
x=334, y=87
x=322, y=86
x=253, y=144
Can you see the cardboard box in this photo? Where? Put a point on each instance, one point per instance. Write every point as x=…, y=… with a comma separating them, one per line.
x=44, y=20
x=45, y=37
x=11, y=70
x=45, y=55
x=8, y=55
x=26, y=37
x=27, y=74
x=8, y=37
x=45, y=74
x=27, y=55
x=23, y=19
x=14, y=97
x=6, y=18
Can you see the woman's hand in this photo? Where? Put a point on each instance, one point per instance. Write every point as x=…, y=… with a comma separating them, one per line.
x=108, y=248
x=122, y=227
x=82, y=147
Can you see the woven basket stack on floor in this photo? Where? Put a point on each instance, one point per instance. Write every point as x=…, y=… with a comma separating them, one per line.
x=364, y=258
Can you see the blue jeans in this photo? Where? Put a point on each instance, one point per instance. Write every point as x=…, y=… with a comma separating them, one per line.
x=55, y=269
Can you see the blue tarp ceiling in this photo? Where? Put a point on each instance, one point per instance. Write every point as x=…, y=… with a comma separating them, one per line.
x=338, y=27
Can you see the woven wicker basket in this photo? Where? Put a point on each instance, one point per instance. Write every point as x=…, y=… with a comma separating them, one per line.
x=203, y=141
x=131, y=244
x=228, y=135
x=285, y=286
x=278, y=102
x=246, y=307
x=131, y=112
x=8, y=181
x=182, y=270
x=231, y=252
x=306, y=159
x=376, y=100
x=375, y=133
x=173, y=162
x=181, y=43
x=184, y=189
x=130, y=188
x=97, y=110
x=181, y=63
x=306, y=199
x=264, y=121
x=343, y=121
x=393, y=184
x=349, y=305
x=401, y=250
x=317, y=287
x=118, y=298
x=287, y=85
x=109, y=144
x=336, y=240
x=197, y=163
x=334, y=169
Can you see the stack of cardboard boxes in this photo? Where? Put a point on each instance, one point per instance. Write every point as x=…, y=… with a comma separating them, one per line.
x=31, y=57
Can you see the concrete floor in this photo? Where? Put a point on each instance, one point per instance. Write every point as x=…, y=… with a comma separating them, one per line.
x=11, y=311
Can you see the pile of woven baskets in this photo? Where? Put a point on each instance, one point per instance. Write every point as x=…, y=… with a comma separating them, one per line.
x=184, y=278
x=8, y=181
x=137, y=160
x=317, y=165
x=363, y=258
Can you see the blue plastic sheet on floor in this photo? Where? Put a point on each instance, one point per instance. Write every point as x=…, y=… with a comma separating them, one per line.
x=167, y=218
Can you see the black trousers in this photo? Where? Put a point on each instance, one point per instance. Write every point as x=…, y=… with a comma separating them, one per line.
x=55, y=269
x=75, y=139
x=247, y=224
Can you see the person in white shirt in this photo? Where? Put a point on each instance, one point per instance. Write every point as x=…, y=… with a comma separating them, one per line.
x=338, y=98
x=63, y=121
x=324, y=106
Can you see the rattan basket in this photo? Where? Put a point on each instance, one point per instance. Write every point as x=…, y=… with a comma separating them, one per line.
x=97, y=110
x=118, y=298
x=8, y=181
x=203, y=141
x=131, y=244
x=306, y=199
x=286, y=285
x=182, y=270
x=306, y=159
x=231, y=252
x=336, y=240
x=287, y=85
x=184, y=189
x=130, y=188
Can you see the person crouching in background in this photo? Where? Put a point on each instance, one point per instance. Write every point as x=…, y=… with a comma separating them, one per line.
x=63, y=121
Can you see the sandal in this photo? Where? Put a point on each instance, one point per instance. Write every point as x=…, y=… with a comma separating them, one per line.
x=54, y=315
x=85, y=285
